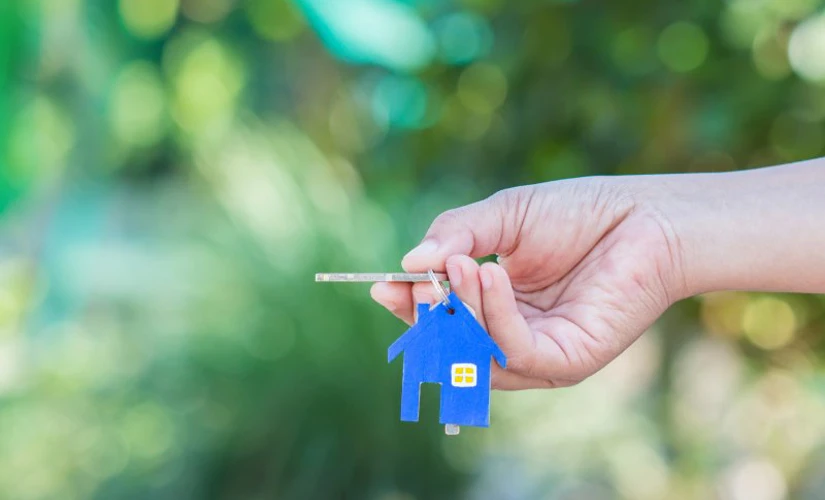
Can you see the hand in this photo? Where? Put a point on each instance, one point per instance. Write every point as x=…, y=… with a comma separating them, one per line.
x=584, y=267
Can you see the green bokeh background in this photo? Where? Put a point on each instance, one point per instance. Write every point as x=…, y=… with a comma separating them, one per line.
x=173, y=173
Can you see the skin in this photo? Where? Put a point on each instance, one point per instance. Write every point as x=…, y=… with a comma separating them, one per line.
x=586, y=265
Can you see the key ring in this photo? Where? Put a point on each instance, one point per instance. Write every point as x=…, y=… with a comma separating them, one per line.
x=442, y=292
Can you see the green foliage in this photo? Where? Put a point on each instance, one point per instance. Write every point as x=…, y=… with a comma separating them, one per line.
x=175, y=172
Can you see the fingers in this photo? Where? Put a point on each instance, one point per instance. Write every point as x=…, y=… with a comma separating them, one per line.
x=534, y=361
x=463, y=274
x=475, y=230
x=504, y=321
x=401, y=298
x=549, y=349
x=423, y=293
x=538, y=360
x=396, y=297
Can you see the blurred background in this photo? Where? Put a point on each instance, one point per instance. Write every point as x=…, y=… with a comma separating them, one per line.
x=173, y=173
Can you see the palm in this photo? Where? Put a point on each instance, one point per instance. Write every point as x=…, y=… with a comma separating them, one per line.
x=588, y=292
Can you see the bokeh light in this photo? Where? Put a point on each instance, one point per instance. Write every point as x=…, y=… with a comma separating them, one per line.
x=206, y=11
x=138, y=105
x=632, y=49
x=399, y=102
x=148, y=18
x=683, y=46
x=723, y=312
x=742, y=20
x=805, y=49
x=463, y=37
x=275, y=19
x=753, y=478
x=769, y=322
x=41, y=138
x=482, y=88
x=770, y=54
x=207, y=79
x=382, y=32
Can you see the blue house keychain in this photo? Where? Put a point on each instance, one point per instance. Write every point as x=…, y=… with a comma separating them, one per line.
x=446, y=346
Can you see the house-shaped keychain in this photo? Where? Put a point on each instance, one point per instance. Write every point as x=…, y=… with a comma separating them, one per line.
x=448, y=346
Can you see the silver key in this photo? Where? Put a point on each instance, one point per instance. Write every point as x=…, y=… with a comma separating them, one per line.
x=373, y=277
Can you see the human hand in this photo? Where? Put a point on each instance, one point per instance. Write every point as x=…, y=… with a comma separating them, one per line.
x=584, y=267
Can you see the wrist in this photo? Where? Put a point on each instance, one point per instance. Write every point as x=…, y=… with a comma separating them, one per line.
x=760, y=229
x=700, y=212
x=670, y=201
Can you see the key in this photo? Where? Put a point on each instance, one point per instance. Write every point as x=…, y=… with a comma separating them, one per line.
x=373, y=277
x=448, y=346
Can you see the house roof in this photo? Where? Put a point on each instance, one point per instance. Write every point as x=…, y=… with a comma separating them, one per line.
x=425, y=318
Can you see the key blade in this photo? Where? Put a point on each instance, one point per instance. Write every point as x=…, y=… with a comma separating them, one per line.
x=374, y=277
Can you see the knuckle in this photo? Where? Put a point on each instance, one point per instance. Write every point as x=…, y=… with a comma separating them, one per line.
x=448, y=218
x=503, y=201
x=500, y=197
x=507, y=194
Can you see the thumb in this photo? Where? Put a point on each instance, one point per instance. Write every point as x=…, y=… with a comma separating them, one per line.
x=482, y=228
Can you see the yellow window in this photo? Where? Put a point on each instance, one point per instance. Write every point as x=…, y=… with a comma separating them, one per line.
x=463, y=375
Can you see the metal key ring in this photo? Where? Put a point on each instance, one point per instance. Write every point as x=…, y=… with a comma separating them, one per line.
x=442, y=292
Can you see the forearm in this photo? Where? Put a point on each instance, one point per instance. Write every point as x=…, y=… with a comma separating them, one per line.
x=761, y=229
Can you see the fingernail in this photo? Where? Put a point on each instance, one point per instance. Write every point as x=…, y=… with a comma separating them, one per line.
x=454, y=273
x=426, y=247
x=486, y=278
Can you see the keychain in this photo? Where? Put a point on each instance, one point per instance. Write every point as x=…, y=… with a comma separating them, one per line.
x=446, y=346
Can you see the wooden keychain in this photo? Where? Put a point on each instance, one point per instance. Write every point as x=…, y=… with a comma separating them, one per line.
x=446, y=346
